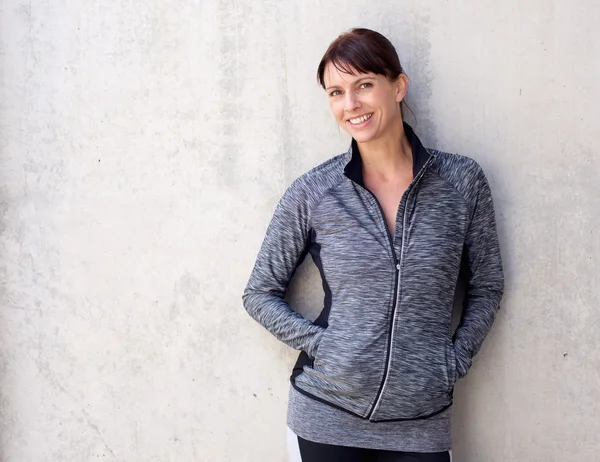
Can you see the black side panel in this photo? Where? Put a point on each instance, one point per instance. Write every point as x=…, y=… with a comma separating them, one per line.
x=322, y=320
x=303, y=358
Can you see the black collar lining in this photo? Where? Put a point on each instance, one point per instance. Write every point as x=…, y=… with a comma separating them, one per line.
x=353, y=169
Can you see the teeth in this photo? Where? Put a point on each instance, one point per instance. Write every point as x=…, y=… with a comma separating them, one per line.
x=360, y=120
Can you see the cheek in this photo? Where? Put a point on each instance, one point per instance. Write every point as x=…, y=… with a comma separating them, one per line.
x=387, y=105
x=337, y=109
x=380, y=100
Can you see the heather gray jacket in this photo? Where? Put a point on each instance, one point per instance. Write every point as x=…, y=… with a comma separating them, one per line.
x=382, y=347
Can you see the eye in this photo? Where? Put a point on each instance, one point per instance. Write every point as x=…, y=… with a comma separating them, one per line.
x=334, y=93
x=365, y=85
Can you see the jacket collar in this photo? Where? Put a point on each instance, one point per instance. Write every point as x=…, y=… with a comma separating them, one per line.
x=353, y=169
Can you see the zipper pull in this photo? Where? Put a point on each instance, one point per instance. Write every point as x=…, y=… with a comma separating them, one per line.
x=398, y=266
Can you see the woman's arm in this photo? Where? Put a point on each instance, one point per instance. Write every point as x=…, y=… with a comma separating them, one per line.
x=485, y=279
x=282, y=251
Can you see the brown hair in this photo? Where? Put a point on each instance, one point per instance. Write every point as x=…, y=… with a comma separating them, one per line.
x=364, y=50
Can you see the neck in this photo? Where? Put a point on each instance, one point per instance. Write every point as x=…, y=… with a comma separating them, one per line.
x=388, y=157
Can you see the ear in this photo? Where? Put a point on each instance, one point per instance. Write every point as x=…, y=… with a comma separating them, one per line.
x=400, y=86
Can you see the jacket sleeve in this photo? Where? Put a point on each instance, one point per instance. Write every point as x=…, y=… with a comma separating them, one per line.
x=485, y=283
x=283, y=249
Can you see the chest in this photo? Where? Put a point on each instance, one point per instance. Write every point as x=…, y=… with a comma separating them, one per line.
x=349, y=240
x=389, y=195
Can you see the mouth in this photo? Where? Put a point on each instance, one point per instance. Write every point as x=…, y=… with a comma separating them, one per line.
x=361, y=119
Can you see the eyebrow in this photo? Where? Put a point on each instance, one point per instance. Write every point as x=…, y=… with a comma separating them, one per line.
x=352, y=83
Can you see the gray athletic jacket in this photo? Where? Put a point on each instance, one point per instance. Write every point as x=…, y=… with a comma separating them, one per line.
x=382, y=347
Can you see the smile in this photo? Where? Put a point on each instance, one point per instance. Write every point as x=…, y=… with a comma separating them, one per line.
x=361, y=119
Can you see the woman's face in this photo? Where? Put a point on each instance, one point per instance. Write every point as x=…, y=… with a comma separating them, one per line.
x=365, y=105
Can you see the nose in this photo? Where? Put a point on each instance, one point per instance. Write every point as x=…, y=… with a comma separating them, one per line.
x=351, y=102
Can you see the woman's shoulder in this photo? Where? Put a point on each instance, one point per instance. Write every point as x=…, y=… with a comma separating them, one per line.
x=311, y=186
x=330, y=168
x=448, y=161
x=322, y=176
x=463, y=172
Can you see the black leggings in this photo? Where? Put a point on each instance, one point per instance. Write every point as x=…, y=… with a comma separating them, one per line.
x=317, y=452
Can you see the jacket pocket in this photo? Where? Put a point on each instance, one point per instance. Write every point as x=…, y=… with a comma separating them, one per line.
x=324, y=351
x=318, y=347
x=346, y=371
x=451, y=364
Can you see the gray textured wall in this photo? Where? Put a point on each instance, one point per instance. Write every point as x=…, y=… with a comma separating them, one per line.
x=144, y=146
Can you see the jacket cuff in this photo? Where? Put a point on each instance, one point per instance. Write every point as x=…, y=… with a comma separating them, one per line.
x=314, y=344
x=463, y=363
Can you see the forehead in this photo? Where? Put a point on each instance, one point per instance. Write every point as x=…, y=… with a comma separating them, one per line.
x=339, y=77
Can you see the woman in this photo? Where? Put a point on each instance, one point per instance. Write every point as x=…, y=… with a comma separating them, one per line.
x=388, y=224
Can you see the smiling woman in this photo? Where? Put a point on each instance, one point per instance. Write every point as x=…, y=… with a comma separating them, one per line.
x=362, y=51
x=389, y=224
x=354, y=101
x=366, y=86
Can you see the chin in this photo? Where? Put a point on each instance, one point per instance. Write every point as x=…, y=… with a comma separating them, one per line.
x=362, y=137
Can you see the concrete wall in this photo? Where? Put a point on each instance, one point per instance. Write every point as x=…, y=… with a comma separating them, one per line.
x=144, y=146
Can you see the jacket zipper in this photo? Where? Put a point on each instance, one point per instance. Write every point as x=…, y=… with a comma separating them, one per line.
x=398, y=264
x=394, y=303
